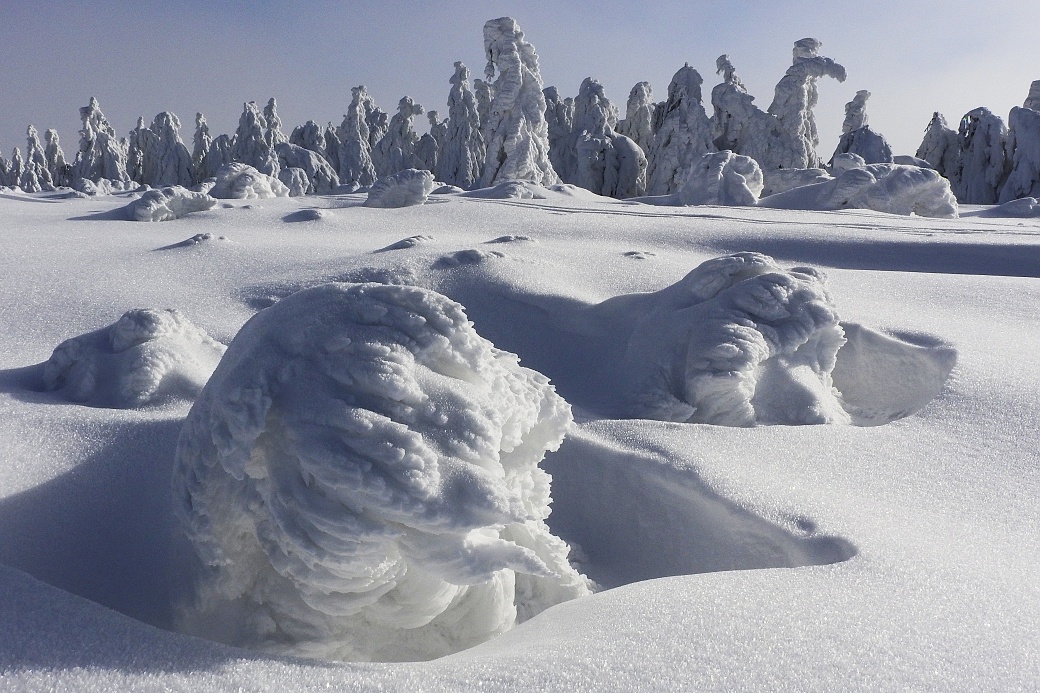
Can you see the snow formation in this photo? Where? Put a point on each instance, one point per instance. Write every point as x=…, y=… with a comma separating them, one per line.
x=356, y=139
x=35, y=175
x=359, y=480
x=403, y=189
x=101, y=153
x=858, y=138
x=167, y=204
x=682, y=134
x=595, y=156
x=252, y=143
x=515, y=132
x=60, y=170
x=147, y=356
x=982, y=164
x=1023, y=154
x=395, y=151
x=165, y=160
x=462, y=154
x=722, y=178
x=941, y=147
x=638, y=124
x=239, y=181
x=320, y=176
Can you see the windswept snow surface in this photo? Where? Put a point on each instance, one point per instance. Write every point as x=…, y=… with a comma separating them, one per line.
x=830, y=557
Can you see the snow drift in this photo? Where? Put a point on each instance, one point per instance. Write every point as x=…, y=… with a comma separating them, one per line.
x=359, y=480
x=167, y=204
x=402, y=189
x=147, y=356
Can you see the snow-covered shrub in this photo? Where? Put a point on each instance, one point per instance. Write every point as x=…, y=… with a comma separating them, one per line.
x=167, y=204
x=147, y=356
x=515, y=131
x=890, y=188
x=682, y=134
x=722, y=178
x=403, y=189
x=359, y=480
x=1023, y=155
x=239, y=181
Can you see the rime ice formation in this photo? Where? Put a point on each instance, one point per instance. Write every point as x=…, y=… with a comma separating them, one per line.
x=60, y=170
x=321, y=177
x=395, y=151
x=638, y=124
x=202, y=142
x=983, y=167
x=402, y=189
x=238, y=181
x=739, y=341
x=166, y=160
x=147, y=356
x=462, y=156
x=356, y=137
x=559, y=125
x=1023, y=154
x=722, y=178
x=359, y=480
x=1033, y=99
x=35, y=175
x=890, y=188
x=252, y=144
x=795, y=97
x=167, y=204
x=741, y=126
x=273, y=134
x=101, y=153
x=295, y=179
x=682, y=134
x=941, y=147
x=312, y=137
x=858, y=138
x=515, y=133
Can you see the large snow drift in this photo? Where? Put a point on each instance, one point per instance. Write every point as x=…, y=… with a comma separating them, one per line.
x=359, y=480
x=147, y=356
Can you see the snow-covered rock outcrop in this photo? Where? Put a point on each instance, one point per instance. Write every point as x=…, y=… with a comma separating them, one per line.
x=1023, y=154
x=890, y=188
x=462, y=154
x=167, y=204
x=858, y=138
x=515, y=131
x=239, y=181
x=403, y=189
x=147, y=356
x=359, y=480
x=682, y=134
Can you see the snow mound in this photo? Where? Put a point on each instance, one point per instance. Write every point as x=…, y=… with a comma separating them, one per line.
x=890, y=188
x=238, y=181
x=1022, y=208
x=311, y=214
x=723, y=178
x=509, y=190
x=167, y=204
x=780, y=180
x=406, y=243
x=147, y=356
x=471, y=256
x=195, y=241
x=359, y=480
x=405, y=188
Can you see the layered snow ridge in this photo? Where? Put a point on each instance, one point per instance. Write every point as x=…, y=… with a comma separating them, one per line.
x=359, y=480
x=167, y=204
x=147, y=356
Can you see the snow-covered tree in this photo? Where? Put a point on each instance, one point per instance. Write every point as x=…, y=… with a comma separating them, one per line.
x=638, y=124
x=739, y=125
x=101, y=153
x=311, y=136
x=60, y=170
x=273, y=133
x=166, y=160
x=941, y=147
x=794, y=98
x=136, y=143
x=982, y=166
x=462, y=154
x=516, y=132
x=35, y=174
x=1023, y=154
x=15, y=169
x=1033, y=99
x=5, y=172
x=321, y=177
x=355, y=148
x=858, y=138
x=396, y=150
x=201, y=144
x=682, y=134
x=219, y=155
x=559, y=121
x=484, y=93
x=252, y=144
x=428, y=149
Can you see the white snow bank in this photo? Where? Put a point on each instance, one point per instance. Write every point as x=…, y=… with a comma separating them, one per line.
x=238, y=181
x=1022, y=208
x=402, y=189
x=527, y=190
x=147, y=356
x=780, y=180
x=890, y=188
x=167, y=204
x=359, y=480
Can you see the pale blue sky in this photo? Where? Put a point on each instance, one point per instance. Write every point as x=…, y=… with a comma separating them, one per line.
x=140, y=58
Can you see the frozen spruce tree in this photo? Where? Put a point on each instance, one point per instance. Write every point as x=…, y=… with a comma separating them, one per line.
x=516, y=132
x=60, y=170
x=202, y=142
x=858, y=138
x=484, y=94
x=983, y=167
x=36, y=177
x=738, y=124
x=311, y=136
x=15, y=169
x=274, y=132
x=941, y=147
x=1033, y=99
x=462, y=154
x=355, y=143
x=559, y=120
x=682, y=134
x=136, y=143
x=794, y=98
x=1023, y=154
x=428, y=149
x=166, y=160
x=5, y=172
x=638, y=124
x=321, y=177
x=605, y=162
x=252, y=145
x=101, y=154
x=396, y=150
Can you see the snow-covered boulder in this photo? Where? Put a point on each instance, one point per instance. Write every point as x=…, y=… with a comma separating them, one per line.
x=515, y=132
x=890, y=188
x=682, y=134
x=239, y=181
x=403, y=189
x=1023, y=155
x=167, y=204
x=359, y=480
x=147, y=356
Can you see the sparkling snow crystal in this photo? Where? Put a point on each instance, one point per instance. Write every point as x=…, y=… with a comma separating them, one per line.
x=360, y=481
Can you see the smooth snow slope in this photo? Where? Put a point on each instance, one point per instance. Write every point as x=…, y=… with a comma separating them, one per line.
x=932, y=518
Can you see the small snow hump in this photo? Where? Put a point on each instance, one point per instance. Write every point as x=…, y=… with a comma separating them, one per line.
x=147, y=356
x=360, y=480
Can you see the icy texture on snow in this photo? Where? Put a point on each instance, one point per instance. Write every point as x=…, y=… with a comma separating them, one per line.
x=639, y=116
x=167, y=204
x=252, y=145
x=321, y=177
x=941, y=147
x=355, y=135
x=101, y=153
x=360, y=481
x=147, y=356
x=396, y=150
x=682, y=134
x=723, y=178
x=462, y=155
x=515, y=133
x=890, y=188
x=1023, y=155
x=166, y=160
x=403, y=189
x=1033, y=99
x=982, y=165
x=239, y=181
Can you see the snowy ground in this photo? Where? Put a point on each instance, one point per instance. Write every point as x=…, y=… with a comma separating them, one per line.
x=717, y=544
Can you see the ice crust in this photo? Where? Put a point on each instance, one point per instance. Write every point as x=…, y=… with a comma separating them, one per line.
x=239, y=181
x=359, y=480
x=167, y=204
x=403, y=189
x=148, y=356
